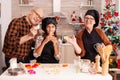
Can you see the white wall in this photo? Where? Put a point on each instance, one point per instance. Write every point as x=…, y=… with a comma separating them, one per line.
x=5, y=20
x=0, y=46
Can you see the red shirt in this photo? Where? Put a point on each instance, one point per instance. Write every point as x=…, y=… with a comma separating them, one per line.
x=17, y=28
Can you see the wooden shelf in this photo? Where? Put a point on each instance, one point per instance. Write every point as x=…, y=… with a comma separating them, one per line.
x=114, y=69
x=26, y=5
x=76, y=23
x=86, y=6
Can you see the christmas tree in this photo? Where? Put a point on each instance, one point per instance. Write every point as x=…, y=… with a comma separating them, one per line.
x=110, y=24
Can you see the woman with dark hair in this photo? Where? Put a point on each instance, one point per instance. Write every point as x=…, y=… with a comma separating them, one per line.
x=89, y=36
x=47, y=45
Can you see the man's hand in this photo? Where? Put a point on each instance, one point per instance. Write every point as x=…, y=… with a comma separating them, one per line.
x=33, y=31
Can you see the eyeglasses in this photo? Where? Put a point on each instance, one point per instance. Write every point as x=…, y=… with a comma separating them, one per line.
x=38, y=15
x=91, y=19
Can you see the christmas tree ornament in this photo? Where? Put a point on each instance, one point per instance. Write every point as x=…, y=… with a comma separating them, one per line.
x=110, y=23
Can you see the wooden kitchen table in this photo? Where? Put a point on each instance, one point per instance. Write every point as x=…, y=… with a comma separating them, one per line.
x=55, y=72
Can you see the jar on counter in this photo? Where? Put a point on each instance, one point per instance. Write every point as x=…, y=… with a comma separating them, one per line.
x=85, y=65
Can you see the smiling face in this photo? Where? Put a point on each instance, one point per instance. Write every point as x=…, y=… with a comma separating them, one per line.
x=50, y=29
x=89, y=22
x=35, y=17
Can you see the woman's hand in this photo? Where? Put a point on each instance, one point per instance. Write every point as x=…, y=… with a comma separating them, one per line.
x=54, y=40
x=51, y=38
x=71, y=40
x=56, y=47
